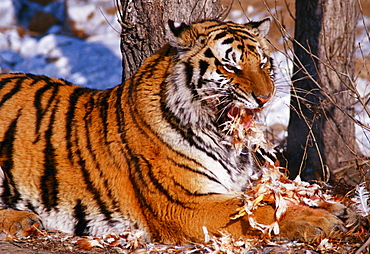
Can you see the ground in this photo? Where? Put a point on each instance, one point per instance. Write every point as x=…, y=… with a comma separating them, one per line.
x=54, y=242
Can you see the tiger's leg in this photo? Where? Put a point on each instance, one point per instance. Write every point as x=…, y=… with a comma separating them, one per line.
x=303, y=222
x=310, y=224
x=16, y=223
x=298, y=223
x=346, y=214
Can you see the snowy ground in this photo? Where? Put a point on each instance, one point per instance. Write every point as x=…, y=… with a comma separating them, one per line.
x=93, y=62
x=96, y=61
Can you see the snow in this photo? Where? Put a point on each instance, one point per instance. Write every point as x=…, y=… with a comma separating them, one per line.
x=7, y=13
x=277, y=113
x=363, y=136
x=96, y=61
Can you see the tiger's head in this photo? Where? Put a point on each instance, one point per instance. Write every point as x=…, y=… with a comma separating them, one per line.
x=222, y=71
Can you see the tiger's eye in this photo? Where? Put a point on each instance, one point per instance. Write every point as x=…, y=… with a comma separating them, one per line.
x=230, y=68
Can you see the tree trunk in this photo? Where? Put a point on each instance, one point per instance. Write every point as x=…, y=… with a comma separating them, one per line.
x=321, y=136
x=144, y=25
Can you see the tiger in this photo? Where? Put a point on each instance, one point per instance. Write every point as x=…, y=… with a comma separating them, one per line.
x=151, y=153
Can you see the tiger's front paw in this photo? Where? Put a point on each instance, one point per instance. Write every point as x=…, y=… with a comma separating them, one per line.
x=309, y=224
x=19, y=223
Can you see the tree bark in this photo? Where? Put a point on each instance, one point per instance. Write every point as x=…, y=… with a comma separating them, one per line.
x=144, y=25
x=321, y=136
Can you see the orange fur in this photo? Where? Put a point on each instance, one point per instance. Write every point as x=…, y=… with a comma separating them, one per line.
x=94, y=162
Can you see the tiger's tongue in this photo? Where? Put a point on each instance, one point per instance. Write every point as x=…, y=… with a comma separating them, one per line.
x=244, y=115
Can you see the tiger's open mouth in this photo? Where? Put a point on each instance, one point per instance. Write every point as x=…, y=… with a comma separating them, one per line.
x=241, y=116
x=238, y=124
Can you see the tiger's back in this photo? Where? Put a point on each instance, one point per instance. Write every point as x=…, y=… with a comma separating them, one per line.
x=151, y=153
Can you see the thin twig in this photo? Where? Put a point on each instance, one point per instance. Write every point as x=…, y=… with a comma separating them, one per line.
x=363, y=247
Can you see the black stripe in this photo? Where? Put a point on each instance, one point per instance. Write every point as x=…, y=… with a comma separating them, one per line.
x=30, y=207
x=36, y=78
x=49, y=183
x=186, y=132
x=89, y=107
x=40, y=111
x=12, y=92
x=102, y=103
x=251, y=48
x=135, y=174
x=208, y=53
x=157, y=184
x=220, y=35
x=243, y=33
x=188, y=72
x=90, y=187
x=141, y=162
x=217, y=27
x=81, y=227
x=203, y=67
x=177, y=126
x=88, y=120
x=108, y=188
x=217, y=62
x=104, y=107
x=195, y=171
x=152, y=66
x=228, y=41
x=74, y=153
x=137, y=179
x=247, y=38
x=70, y=119
x=10, y=195
x=227, y=54
x=119, y=111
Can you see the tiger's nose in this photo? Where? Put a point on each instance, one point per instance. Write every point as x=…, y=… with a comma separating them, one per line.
x=261, y=99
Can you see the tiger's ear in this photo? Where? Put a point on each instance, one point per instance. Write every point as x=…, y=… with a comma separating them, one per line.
x=176, y=27
x=181, y=35
x=260, y=28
